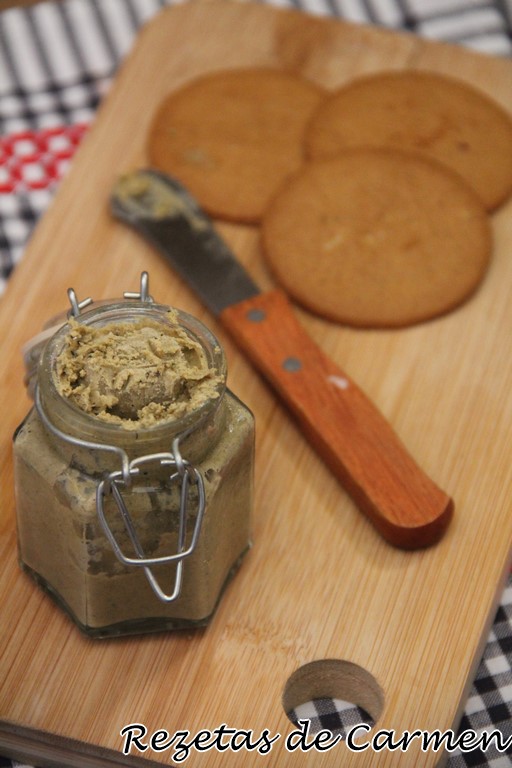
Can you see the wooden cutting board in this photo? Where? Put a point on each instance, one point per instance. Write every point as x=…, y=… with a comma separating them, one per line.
x=319, y=585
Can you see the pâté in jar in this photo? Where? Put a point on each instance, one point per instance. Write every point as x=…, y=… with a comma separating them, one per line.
x=134, y=469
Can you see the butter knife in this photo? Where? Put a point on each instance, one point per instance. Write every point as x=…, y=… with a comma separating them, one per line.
x=346, y=429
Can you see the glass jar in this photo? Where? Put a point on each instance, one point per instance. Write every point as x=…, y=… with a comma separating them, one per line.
x=133, y=530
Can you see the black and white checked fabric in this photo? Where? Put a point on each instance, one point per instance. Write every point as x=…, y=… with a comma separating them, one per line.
x=57, y=60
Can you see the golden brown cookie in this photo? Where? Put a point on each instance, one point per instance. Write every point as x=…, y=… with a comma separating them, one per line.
x=232, y=137
x=377, y=238
x=440, y=117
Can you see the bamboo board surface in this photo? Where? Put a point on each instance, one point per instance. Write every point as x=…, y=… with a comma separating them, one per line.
x=319, y=583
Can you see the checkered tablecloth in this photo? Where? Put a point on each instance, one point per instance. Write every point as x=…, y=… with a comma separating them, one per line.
x=57, y=60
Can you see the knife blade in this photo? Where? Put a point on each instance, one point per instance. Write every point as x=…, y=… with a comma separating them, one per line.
x=347, y=430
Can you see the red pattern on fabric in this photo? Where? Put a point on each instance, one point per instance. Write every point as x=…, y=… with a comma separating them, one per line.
x=37, y=159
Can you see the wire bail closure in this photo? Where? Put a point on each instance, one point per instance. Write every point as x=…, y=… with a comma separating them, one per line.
x=114, y=483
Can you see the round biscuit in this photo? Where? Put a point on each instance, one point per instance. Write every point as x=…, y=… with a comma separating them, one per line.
x=377, y=238
x=439, y=116
x=231, y=137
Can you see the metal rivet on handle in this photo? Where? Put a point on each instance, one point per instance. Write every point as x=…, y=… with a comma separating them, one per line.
x=292, y=364
x=256, y=315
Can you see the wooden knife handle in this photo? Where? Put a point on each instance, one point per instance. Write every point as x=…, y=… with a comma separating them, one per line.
x=343, y=425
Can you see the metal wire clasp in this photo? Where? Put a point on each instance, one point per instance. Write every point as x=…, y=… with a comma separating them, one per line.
x=113, y=484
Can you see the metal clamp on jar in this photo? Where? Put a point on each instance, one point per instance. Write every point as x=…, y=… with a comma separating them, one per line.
x=134, y=469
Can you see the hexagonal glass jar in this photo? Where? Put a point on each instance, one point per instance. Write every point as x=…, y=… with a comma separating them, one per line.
x=78, y=478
